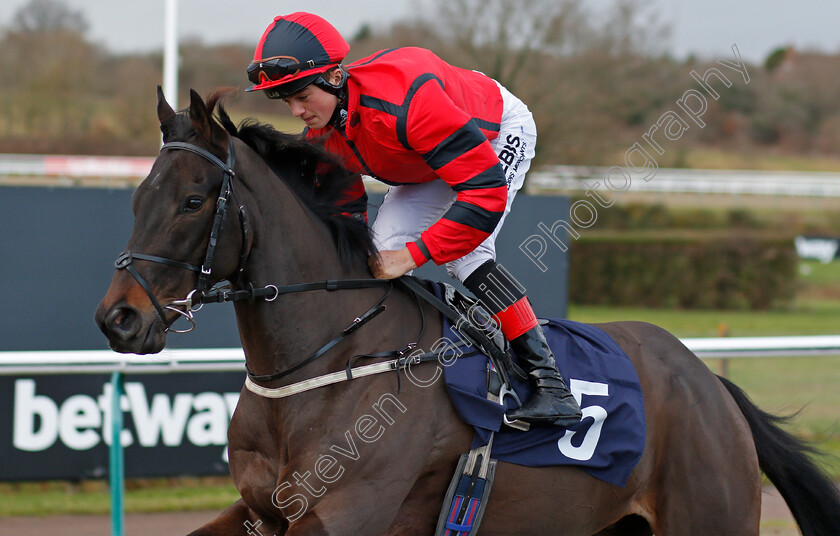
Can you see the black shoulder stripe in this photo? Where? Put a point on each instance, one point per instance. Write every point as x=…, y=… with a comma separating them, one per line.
x=382, y=53
x=400, y=111
x=473, y=216
x=487, y=125
x=379, y=104
x=402, y=120
x=464, y=139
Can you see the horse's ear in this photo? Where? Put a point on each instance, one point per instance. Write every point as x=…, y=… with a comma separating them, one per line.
x=164, y=110
x=203, y=122
x=199, y=115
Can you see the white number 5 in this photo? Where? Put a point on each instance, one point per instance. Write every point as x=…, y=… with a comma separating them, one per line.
x=598, y=414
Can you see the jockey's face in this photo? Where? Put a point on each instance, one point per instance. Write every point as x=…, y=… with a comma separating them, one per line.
x=313, y=105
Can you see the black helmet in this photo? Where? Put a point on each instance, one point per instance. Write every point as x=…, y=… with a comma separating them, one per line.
x=297, y=50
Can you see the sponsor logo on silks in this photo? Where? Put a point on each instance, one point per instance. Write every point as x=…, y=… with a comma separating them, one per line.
x=82, y=422
x=511, y=156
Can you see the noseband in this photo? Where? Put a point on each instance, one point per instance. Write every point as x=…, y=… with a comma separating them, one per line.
x=203, y=293
x=126, y=259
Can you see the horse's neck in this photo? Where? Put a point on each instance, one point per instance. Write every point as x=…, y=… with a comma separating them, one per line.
x=292, y=246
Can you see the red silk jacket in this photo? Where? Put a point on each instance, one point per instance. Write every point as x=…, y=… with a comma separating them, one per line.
x=413, y=118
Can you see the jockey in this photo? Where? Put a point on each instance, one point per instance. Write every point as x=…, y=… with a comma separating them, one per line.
x=453, y=144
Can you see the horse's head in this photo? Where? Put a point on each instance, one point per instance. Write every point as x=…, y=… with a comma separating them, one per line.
x=170, y=252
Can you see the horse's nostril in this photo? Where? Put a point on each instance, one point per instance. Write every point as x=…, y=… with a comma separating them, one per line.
x=123, y=322
x=120, y=317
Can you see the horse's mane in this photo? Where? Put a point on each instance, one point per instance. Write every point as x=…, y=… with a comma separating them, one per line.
x=314, y=175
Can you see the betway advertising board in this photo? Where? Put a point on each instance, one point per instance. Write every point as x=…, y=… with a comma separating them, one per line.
x=59, y=426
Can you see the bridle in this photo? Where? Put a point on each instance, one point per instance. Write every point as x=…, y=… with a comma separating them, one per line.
x=203, y=287
x=203, y=293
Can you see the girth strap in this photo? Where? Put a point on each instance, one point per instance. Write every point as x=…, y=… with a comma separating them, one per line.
x=468, y=493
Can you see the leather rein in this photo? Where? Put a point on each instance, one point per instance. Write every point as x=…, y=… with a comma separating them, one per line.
x=203, y=293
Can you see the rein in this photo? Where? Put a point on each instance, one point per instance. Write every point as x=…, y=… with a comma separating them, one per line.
x=203, y=293
x=358, y=322
x=403, y=358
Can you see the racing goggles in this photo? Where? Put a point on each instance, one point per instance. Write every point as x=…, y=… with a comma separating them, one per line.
x=275, y=68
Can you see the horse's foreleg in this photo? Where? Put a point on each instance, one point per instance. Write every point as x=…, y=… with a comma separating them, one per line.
x=236, y=519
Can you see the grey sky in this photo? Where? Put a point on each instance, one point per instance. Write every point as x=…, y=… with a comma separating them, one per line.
x=707, y=28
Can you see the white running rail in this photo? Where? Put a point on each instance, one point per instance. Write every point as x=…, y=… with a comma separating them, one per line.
x=700, y=181
x=221, y=359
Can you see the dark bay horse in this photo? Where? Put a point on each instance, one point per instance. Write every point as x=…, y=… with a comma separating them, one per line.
x=360, y=457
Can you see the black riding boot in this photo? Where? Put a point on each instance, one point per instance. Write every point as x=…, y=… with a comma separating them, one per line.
x=551, y=402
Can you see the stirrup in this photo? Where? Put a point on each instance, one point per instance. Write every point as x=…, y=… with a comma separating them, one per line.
x=516, y=424
x=497, y=390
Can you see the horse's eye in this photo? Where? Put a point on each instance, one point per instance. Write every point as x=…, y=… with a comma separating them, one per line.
x=193, y=204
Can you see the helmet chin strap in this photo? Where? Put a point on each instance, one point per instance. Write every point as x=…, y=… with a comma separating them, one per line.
x=328, y=86
x=339, y=116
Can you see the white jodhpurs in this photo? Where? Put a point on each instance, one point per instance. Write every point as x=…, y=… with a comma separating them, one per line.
x=410, y=209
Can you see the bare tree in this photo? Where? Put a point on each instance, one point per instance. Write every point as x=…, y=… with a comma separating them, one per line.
x=589, y=76
x=504, y=38
x=41, y=16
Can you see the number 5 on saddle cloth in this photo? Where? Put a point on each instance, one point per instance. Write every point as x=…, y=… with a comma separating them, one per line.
x=607, y=443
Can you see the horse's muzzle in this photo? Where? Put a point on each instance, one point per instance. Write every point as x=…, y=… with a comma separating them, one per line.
x=129, y=331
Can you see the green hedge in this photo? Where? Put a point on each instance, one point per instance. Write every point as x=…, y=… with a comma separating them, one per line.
x=688, y=270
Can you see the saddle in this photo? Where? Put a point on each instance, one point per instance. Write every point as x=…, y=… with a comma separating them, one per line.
x=483, y=384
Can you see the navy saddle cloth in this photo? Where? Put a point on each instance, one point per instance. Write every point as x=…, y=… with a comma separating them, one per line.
x=609, y=440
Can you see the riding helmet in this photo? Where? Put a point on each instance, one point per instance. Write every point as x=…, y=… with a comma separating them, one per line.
x=295, y=51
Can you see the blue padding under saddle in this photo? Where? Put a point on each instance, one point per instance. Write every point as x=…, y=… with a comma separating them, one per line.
x=609, y=440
